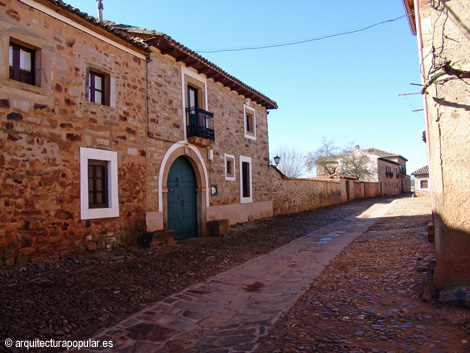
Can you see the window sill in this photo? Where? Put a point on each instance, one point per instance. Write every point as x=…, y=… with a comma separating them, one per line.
x=96, y=213
x=16, y=87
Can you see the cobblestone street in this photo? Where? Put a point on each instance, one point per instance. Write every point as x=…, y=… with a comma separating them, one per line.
x=367, y=260
x=369, y=298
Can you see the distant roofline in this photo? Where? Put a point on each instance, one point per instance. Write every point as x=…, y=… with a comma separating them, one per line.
x=421, y=171
x=388, y=160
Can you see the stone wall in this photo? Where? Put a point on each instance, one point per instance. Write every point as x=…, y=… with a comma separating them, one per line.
x=297, y=195
x=167, y=89
x=392, y=184
x=43, y=128
x=446, y=48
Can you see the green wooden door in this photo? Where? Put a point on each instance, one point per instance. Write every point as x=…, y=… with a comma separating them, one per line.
x=182, y=203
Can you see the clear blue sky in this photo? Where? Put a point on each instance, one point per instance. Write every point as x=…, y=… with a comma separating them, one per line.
x=345, y=88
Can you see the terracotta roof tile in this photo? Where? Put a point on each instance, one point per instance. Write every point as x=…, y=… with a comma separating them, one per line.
x=421, y=171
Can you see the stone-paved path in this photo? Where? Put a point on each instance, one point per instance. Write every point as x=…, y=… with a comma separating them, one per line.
x=230, y=311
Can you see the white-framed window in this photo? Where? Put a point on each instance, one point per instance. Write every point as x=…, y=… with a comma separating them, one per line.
x=229, y=167
x=424, y=184
x=250, y=122
x=98, y=184
x=246, y=188
x=194, y=88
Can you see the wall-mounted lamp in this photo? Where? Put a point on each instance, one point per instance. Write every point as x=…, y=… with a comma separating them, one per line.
x=276, y=162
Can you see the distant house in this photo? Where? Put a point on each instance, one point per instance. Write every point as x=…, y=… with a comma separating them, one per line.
x=369, y=165
x=422, y=182
x=442, y=30
x=108, y=131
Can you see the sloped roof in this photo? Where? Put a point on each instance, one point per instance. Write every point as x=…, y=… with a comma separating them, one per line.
x=410, y=11
x=421, y=171
x=329, y=159
x=388, y=160
x=93, y=21
x=143, y=38
x=382, y=153
x=169, y=46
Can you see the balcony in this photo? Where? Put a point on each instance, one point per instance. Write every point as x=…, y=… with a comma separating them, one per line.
x=200, y=128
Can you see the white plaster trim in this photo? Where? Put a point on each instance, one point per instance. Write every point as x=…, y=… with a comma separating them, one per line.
x=162, y=169
x=113, y=199
x=68, y=21
x=246, y=199
x=419, y=180
x=253, y=111
x=231, y=156
x=203, y=81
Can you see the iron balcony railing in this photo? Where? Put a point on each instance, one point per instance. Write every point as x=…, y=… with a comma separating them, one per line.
x=200, y=123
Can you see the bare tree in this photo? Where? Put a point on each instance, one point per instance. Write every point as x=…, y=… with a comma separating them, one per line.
x=350, y=161
x=324, y=158
x=292, y=162
x=355, y=162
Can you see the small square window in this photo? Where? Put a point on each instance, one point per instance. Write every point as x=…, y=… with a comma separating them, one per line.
x=229, y=167
x=250, y=122
x=424, y=184
x=22, y=63
x=98, y=87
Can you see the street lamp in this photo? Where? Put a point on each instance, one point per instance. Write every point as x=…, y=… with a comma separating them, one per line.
x=276, y=160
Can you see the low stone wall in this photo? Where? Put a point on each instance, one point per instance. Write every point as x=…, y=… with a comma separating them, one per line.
x=365, y=190
x=297, y=195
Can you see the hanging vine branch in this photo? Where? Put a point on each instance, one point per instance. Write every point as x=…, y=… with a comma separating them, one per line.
x=446, y=69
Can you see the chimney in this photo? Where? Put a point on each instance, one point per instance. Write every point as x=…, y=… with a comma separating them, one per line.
x=99, y=5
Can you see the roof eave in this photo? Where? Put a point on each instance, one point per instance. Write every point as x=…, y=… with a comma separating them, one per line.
x=95, y=25
x=168, y=46
x=410, y=11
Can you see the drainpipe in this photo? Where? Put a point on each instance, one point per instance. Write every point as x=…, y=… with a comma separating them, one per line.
x=423, y=82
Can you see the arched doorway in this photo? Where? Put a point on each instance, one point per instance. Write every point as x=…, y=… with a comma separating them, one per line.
x=182, y=200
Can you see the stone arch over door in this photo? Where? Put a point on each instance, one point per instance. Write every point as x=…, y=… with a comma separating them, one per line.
x=194, y=157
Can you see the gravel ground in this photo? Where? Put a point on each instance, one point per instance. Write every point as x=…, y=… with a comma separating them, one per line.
x=369, y=298
x=73, y=298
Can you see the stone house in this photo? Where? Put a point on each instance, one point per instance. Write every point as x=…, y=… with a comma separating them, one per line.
x=110, y=131
x=443, y=37
x=422, y=182
x=370, y=165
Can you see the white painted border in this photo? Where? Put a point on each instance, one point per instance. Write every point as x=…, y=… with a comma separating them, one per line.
x=162, y=169
x=419, y=180
x=203, y=81
x=68, y=21
x=234, y=169
x=247, y=135
x=113, y=199
x=246, y=199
